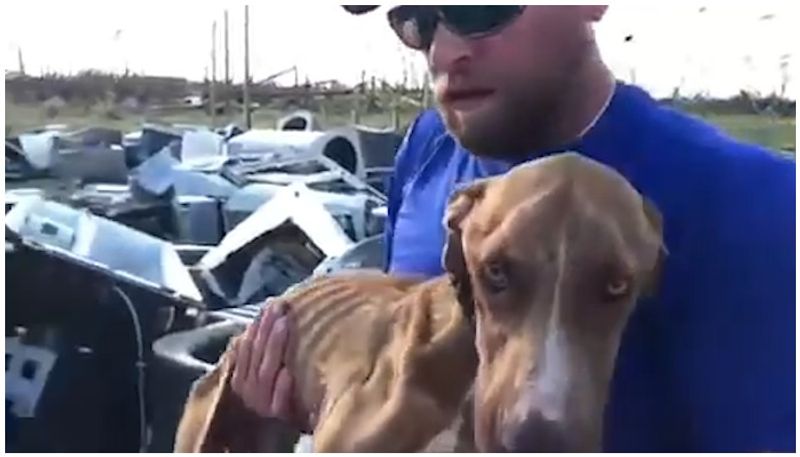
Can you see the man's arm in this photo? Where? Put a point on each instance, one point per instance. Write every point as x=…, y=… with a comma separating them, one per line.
x=732, y=340
x=407, y=161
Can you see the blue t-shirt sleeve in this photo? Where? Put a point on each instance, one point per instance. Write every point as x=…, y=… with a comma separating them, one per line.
x=409, y=155
x=733, y=336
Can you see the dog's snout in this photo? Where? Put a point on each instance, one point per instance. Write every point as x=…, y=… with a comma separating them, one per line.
x=545, y=426
x=538, y=434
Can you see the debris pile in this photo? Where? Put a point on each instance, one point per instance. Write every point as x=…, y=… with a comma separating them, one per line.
x=142, y=235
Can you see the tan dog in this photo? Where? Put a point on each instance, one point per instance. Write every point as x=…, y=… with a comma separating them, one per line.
x=383, y=362
x=547, y=262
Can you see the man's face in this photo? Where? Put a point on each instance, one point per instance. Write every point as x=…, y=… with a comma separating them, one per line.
x=499, y=94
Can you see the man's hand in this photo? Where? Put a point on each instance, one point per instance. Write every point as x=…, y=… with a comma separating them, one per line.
x=259, y=376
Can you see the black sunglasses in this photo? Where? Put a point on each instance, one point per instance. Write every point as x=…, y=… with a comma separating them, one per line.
x=416, y=24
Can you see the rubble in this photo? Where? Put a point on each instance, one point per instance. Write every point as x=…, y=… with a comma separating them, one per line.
x=89, y=136
x=185, y=174
x=140, y=146
x=17, y=165
x=197, y=219
x=275, y=247
x=98, y=242
x=145, y=236
x=299, y=120
x=368, y=253
x=255, y=144
x=38, y=148
x=14, y=196
x=97, y=163
x=162, y=173
x=202, y=150
x=85, y=300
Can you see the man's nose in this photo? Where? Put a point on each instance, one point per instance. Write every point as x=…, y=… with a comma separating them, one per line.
x=449, y=53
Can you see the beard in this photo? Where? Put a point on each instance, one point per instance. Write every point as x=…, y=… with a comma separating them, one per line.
x=512, y=125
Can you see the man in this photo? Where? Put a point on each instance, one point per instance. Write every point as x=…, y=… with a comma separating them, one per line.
x=708, y=365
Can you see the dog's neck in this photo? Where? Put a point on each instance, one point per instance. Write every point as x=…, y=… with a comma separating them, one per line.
x=453, y=294
x=452, y=357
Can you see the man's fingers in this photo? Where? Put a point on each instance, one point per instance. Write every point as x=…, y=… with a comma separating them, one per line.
x=258, y=359
x=242, y=360
x=282, y=396
x=273, y=358
x=265, y=324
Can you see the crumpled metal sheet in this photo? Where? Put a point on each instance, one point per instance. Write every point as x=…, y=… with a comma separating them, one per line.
x=88, y=239
x=89, y=136
x=39, y=148
x=14, y=196
x=156, y=174
x=162, y=172
x=303, y=120
x=350, y=208
x=91, y=163
x=202, y=184
x=245, y=201
x=375, y=150
x=153, y=139
x=202, y=150
x=197, y=220
x=277, y=246
x=294, y=203
x=375, y=147
x=17, y=165
x=367, y=253
x=257, y=143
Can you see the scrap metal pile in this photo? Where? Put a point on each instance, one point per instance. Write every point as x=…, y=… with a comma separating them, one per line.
x=116, y=242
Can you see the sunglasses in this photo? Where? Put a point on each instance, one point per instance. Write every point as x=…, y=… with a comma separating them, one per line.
x=415, y=25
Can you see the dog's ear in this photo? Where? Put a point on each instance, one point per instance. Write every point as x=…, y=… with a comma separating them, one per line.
x=459, y=206
x=656, y=222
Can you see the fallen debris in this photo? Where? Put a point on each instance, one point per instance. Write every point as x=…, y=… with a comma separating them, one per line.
x=277, y=246
x=162, y=226
x=39, y=148
x=299, y=120
x=98, y=243
x=93, y=163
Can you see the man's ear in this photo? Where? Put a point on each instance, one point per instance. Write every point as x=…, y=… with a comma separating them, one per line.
x=656, y=222
x=594, y=13
x=461, y=203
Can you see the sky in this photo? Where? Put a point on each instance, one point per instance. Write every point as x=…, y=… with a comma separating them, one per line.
x=727, y=47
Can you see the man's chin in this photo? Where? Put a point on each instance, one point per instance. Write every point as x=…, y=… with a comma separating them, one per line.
x=479, y=132
x=492, y=132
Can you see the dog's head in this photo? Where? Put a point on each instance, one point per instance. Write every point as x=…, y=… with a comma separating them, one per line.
x=551, y=259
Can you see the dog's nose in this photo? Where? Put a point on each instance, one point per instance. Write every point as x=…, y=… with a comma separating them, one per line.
x=537, y=434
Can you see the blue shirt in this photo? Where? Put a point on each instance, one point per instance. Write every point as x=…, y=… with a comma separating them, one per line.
x=709, y=364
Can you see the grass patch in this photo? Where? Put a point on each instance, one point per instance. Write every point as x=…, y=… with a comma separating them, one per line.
x=772, y=132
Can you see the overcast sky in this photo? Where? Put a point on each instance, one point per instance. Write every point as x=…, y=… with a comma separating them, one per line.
x=728, y=46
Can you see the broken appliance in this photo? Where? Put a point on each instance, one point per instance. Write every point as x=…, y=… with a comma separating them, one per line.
x=85, y=299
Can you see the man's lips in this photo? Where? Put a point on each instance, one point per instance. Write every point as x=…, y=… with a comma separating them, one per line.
x=465, y=98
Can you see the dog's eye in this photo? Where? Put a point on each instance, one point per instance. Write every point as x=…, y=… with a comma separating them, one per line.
x=617, y=287
x=495, y=275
